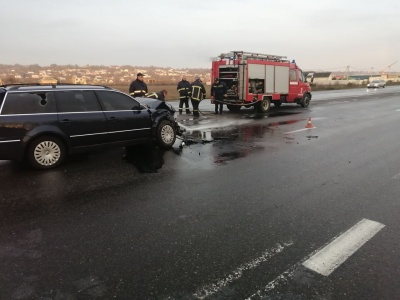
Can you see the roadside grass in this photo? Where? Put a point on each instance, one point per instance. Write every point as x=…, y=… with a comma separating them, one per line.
x=172, y=93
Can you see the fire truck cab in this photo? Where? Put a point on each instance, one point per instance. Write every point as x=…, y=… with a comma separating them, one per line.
x=254, y=79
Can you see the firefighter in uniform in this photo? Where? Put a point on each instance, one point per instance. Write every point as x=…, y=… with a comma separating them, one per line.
x=218, y=93
x=138, y=88
x=160, y=95
x=198, y=93
x=184, y=90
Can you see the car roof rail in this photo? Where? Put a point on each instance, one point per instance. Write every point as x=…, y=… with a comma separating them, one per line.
x=15, y=86
x=18, y=84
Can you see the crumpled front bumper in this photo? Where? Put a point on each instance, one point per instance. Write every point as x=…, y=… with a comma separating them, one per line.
x=179, y=131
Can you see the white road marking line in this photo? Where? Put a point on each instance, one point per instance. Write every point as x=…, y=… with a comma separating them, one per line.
x=397, y=110
x=351, y=241
x=212, y=288
x=289, y=132
x=326, y=260
x=274, y=283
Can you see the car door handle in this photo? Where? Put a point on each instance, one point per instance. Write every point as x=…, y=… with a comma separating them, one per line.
x=66, y=121
x=112, y=119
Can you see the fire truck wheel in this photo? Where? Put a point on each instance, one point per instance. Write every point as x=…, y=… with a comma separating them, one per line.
x=263, y=106
x=233, y=108
x=305, y=102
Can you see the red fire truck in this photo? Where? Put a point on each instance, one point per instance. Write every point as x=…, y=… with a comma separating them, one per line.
x=254, y=79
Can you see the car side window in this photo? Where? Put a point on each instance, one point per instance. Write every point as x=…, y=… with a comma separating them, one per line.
x=77, y=101
x=29, y=103
x=112, y=101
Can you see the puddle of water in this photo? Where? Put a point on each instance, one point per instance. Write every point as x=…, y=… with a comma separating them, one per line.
x=208, y=147
x=223, y=157
x=282, y=113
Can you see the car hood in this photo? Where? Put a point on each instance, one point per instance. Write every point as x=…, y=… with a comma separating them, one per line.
x=155, y=104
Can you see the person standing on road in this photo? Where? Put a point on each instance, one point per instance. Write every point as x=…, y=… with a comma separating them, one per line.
x=160, y=95
x=198, y=93
x=138, y=88
x=184, y=90
x=218, y=93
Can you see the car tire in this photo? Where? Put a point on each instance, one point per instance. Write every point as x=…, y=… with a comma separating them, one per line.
x=305, y=102
x=46, y=152
x=166, y=134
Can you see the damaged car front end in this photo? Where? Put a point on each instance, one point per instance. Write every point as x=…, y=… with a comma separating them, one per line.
x=164, y=128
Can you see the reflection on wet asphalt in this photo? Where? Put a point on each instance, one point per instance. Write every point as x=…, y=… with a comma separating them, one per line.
x=146, y=158
x=215, y=141
x=209, y=143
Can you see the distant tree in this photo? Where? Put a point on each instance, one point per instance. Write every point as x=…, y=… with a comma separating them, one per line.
x=10, y=79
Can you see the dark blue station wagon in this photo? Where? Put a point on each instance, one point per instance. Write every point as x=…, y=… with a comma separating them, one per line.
x=43, y=124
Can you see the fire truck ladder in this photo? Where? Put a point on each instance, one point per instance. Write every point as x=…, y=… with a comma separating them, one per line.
x=246, y=55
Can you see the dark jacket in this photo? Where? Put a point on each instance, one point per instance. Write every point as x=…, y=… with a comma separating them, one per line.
x=184, y=89
x=159, y=96
x=138, y=88
x=198, y=91
x=218, y=90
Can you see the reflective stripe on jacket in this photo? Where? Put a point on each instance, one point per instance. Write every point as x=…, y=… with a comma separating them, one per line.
x=218, y=90
x=198, y=90
x=184, y=89
x=159, y=96
x=138, y=88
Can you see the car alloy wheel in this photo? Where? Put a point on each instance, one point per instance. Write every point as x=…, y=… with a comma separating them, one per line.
x=166, y=134
x=47, y=153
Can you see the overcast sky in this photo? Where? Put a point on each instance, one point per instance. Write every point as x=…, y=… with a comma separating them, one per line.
x=318, y=34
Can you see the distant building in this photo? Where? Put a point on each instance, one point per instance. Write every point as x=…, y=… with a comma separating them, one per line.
x=78, y=80
x=48, y=80
x=322, y=77
x=361, y=77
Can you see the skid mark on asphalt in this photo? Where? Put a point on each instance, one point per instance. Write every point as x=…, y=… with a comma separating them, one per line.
x=325, y=260
x=213, y=288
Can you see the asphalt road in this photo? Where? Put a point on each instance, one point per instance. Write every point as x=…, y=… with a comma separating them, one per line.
x=251, y=207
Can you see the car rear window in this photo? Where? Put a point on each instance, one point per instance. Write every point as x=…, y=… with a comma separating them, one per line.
x=29, y=103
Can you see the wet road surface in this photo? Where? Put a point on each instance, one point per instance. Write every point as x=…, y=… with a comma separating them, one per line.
x=234, y=213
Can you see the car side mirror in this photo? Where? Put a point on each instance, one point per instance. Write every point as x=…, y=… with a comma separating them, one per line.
x=137, y=107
